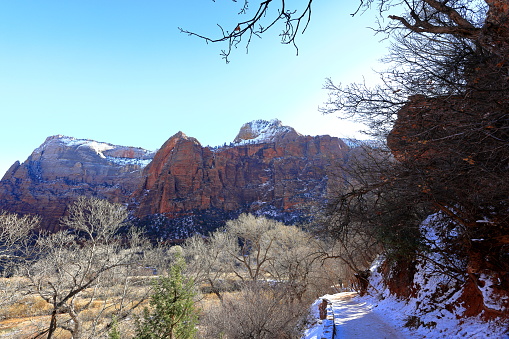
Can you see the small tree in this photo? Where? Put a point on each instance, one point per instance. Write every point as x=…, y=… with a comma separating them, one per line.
x=210, y=260
x=173, y=315
x=72, y=268
x=114, y=333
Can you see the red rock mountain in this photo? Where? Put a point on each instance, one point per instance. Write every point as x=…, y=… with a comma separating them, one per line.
x=63, y=168
x=269, y=169
x=287, y=171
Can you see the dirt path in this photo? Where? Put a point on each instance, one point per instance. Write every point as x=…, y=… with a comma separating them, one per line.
x=354, y=320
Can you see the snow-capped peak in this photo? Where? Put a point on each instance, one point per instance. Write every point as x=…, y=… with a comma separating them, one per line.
x=260, y=131
x=120, y=155
x=97, y=147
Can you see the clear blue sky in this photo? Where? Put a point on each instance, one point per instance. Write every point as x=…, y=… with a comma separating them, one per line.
x=120, y=71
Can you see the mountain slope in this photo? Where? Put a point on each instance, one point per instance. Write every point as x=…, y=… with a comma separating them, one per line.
x=281, y=173
x=270, y=169
x=63, y=168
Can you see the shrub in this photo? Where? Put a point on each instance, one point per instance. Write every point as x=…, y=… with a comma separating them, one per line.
x=258, y=311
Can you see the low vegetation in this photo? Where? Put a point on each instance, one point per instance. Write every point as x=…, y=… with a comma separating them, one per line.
x=253, y=278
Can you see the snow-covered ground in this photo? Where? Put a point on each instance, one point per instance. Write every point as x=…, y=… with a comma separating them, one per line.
x=353, y=319
x=366, y=317
x=384, y=316
x=437, y=310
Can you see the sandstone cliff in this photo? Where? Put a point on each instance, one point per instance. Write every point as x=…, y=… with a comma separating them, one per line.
x=270, y=167
x=63, y=168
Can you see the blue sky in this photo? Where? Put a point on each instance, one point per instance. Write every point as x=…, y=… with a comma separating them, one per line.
x=120, y=71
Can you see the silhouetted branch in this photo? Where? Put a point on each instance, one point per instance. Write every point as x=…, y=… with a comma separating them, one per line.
x=245, y=30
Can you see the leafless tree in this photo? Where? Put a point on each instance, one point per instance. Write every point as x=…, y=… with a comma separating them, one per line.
x=73, y=268
x=257, y=249
x=16, y=235
x=258, y=312
x=15, y=231
x=210, y=260
x=294, y=261
x=266, y=16
x=442, y=105
x=444, y=102
x=256, y=242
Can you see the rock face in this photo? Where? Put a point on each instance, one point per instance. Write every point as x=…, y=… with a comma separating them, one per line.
x=269, y=169
x=270, y=166
x=63, y=168
x=260, y=131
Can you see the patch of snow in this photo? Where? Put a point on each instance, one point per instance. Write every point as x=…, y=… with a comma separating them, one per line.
x=353, y=319
x=99, y=148
x=439, y=324
x=315, y=330
x=488, y=293
x=436, y=310
x=355, y=143
x=263, y=131
x=129, y=161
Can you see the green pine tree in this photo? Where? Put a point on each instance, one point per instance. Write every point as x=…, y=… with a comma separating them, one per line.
x=114, y=333
x=172, y=314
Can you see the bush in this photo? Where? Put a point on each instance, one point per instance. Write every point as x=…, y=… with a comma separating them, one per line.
x=258, y=311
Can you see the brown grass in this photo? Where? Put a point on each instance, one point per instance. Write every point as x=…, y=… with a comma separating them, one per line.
x=29, y=306
x=28, y=315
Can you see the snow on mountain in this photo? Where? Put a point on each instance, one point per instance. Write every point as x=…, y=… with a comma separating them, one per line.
x=97, y=147
x=261, y=131
x=120, y=155
x=355, y=143
x=129, y=161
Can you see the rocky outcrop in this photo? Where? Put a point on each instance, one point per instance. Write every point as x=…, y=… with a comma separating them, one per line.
x=260, y=131
x=281, y=169
x=63, y=168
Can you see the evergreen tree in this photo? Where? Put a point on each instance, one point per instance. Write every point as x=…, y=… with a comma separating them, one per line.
x=172, y=314
x=114, y=333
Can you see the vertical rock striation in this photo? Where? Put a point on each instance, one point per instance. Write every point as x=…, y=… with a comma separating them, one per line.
x=268, y=165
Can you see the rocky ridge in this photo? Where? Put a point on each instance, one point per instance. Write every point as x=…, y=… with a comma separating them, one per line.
x=269, y=169
x=63, y=168
x=287, y=173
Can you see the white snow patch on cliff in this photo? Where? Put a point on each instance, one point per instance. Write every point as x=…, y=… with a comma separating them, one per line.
x=260, y=131
x=99, y=148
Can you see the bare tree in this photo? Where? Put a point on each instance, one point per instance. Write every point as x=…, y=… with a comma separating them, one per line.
x=16, y=236
x=266, y=16
x=210, y=260
x=74, y=267
x=294, y=260
x=256, y=249
x=256, y=242
x=256, y=312
x=444, y=102
x=15, y=231
x=442, y=105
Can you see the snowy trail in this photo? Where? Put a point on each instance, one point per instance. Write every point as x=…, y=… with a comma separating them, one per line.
x=354, y=319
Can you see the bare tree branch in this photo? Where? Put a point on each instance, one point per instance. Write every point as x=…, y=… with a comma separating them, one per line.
x=267, y=15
